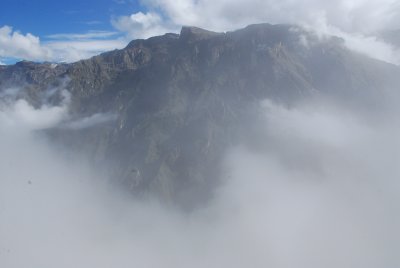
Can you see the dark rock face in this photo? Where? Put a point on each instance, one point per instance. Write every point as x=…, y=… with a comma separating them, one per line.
x=182, y=100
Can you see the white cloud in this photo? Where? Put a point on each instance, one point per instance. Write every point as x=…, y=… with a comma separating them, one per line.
x=41, y=118
x=142, y=25
x=84, y=36
x=351, y=16
x=366, y=44
x=320, y=189
x=75, y=50
x=61, y=47
x=20, y=113
x=90, y=121
x=354, y=20
x=17, y=45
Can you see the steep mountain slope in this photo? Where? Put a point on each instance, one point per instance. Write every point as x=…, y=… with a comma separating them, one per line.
x=179, y=101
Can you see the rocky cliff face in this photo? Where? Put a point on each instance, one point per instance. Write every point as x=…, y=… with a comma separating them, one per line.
x=180, y=100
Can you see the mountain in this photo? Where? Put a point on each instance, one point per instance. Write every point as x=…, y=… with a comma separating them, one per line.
x=177, y=102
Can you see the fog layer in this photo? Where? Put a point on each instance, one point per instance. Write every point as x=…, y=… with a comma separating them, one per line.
x=316, y=185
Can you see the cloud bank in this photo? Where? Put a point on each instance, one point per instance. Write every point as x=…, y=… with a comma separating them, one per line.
x=360, y=16
x=356, y=21
x=16, y=112
x=314, y=186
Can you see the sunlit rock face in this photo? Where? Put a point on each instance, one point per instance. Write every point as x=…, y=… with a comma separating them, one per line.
x=162, y=112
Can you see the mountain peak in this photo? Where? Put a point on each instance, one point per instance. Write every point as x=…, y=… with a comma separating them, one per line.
x=191, y=33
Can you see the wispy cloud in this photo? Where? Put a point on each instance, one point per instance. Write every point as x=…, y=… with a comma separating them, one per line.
x=123, y=2
x=88, y=35
x=90, y=121
x=74, y=50
x=367, y=44
x=93, y=22
x=71, y=47
x=64, y=47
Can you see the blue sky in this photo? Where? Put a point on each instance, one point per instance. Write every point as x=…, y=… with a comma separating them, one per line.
x=47, y=17
x=70, y=30
x=55, y=21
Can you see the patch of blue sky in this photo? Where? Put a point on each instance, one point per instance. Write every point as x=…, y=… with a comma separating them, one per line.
x=48, y=17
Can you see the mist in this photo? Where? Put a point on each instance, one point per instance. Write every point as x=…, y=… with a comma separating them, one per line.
x=359, y=22
x=314, y=184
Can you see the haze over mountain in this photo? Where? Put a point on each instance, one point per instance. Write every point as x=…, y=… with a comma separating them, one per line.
x=168, y=107
x=284, y=139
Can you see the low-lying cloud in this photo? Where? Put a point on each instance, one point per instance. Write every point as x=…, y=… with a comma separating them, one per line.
x=321, y=187
x=315, y=186
x=19, y=112
x=90, y=121
x=351, y=16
